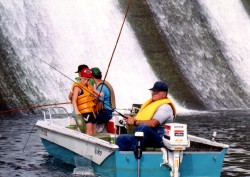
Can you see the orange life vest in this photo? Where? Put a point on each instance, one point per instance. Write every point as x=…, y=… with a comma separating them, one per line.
x=86, y=102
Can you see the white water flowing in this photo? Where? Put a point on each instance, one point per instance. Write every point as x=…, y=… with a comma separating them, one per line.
x=213, y=59
x=69, y=33
x=231, y=25
x=86, y=33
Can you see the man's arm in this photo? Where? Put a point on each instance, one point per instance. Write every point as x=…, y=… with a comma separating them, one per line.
x=152, y=123
x=163, y=113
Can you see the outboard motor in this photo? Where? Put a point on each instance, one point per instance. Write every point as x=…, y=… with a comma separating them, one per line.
x=175, y=140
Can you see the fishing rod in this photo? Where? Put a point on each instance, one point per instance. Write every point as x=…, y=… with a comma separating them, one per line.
x=117, y=40
x=74, y=82
x=31, y=107
x=112, y=55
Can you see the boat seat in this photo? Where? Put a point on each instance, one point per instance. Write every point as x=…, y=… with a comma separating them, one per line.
x=103, y=136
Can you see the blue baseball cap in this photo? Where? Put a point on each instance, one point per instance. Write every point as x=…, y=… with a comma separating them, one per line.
x=160, y=86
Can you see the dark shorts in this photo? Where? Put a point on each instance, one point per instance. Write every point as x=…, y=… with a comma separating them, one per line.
x=91, y=118
x=104, y=116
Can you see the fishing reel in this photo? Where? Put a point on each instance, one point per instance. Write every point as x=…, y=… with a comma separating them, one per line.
x=123, y=123
x=135, y=108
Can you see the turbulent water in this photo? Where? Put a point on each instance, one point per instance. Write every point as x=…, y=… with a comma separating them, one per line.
x=19, y=157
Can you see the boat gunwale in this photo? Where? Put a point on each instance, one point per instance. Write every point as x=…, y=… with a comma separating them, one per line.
x=75, y=134
x=95, y=140
x=197, y=139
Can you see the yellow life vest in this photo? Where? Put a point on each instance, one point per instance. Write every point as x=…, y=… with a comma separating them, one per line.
x=86, y=102
x=149, y=107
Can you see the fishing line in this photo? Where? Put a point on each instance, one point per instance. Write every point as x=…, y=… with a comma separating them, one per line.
x=30, y=107
x=51, y=66
x=62, y=74
x=129, y=4
x=72, y=81
x=11, y=131
x=44, y=105
x=29, y=136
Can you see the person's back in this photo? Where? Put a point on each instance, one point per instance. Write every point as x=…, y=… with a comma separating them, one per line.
x=106, y=100
x=107, y=103
x=109, y=96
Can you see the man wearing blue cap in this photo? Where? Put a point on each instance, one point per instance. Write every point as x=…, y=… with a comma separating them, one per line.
x=151, y=119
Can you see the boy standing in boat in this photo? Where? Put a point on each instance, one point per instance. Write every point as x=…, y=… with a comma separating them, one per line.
x=151, y=119
x=105, y=105
x=84, y=102
x=78, y=79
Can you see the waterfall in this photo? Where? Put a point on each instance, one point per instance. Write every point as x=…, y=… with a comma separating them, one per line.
x=232, y=29
x=201, y=52
x=66, y=34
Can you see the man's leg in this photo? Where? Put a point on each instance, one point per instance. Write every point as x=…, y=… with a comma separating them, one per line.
x=126, y=142
x=102, y=119
x=151, y=138
x=104, y=116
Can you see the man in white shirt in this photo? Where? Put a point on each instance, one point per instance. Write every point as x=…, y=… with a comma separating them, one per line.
x=150, y=120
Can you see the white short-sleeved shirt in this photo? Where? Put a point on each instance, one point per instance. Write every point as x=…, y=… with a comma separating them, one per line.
x=164, y=114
